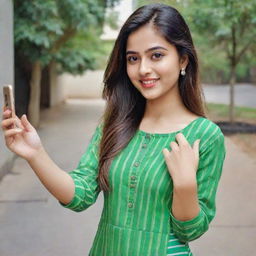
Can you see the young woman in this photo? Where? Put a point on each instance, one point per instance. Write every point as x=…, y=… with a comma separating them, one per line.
x=159, y=182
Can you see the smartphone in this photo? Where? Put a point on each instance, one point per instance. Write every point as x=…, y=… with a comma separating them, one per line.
x=9, y=98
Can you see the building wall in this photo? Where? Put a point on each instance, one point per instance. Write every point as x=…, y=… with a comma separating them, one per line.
x=6, y=71
x=57, y=89
x=88, y=85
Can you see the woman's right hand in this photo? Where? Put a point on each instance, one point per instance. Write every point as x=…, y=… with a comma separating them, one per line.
x=20, y=136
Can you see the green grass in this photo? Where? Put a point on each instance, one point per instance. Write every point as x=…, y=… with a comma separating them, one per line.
x=221, y=111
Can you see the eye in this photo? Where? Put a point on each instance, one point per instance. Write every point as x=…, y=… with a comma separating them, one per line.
x=132, y=59
x=157, y=56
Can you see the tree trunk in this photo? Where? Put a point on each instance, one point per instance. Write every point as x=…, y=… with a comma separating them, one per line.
x=45, y=88
x=52, y=81
x=253, y=74
x=35, y=90
x=232, y=82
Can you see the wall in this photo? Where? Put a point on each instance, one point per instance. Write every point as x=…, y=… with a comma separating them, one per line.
x=87, y=86
x=6, y=72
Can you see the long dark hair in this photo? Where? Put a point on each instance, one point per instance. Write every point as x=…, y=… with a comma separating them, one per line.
x=125, y=105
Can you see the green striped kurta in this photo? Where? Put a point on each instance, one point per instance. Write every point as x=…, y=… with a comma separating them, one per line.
x=137, y=218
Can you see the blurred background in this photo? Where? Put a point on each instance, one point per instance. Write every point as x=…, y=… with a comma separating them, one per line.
x=55, y=52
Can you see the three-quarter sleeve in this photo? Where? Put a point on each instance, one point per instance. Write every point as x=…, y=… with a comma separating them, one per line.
x=209, y=171
x=85, y=176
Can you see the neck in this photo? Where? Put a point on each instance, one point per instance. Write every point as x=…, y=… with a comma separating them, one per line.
x=167, y=107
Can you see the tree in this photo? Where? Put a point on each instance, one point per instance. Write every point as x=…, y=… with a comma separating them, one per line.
x=48, y=31
x=227, y=26
x=230, y=25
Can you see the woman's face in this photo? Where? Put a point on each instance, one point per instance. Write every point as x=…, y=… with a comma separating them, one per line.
x=153, y=64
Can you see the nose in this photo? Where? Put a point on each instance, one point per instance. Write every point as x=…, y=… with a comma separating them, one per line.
x=144, y=68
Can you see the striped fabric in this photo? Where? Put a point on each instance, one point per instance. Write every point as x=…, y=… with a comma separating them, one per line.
x=137, y=218
x=175, y=247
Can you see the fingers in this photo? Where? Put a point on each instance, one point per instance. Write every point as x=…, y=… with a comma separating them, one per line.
x=7, y=123
x=18, y=123
x=174, y=146
x=166, y=153
x=182, y=141
x=12, y=132
x=4, y=108
x=13, y=122
x=7, y=114
x=27, y=125
x=196, y=147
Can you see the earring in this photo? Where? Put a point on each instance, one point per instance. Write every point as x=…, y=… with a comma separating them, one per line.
x=183, y=72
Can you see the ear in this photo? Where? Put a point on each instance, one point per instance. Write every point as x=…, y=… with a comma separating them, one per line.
x=184, y=61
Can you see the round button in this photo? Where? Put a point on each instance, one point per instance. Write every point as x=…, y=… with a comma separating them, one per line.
x=144, y=145
x=130, y=205
x=136, y=164
x=147, y=136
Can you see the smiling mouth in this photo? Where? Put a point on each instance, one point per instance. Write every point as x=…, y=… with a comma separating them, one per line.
x=149, y=83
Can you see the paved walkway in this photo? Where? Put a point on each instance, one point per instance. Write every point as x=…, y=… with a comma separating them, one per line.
x=33, y=223
x=244, y=94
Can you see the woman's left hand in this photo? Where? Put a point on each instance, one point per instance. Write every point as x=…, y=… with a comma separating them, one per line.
x=182, y=161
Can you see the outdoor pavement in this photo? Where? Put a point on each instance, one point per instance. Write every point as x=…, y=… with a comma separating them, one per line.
x=245, y=94
x=34, y=224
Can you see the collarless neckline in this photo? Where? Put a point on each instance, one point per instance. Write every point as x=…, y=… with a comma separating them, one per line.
x=143, y=133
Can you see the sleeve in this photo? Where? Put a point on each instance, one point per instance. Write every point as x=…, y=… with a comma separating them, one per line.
x=85, y=177
x=208, y=175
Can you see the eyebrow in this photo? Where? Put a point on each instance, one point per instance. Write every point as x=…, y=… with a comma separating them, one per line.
x=148, y=50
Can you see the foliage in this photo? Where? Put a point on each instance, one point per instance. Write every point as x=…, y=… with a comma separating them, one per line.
x=36, y=27
x=214, y=26
x=111, y=19
x=225, y=22
x=48, y=30
x=173, y=3
x=82, y=49
x=227, y=26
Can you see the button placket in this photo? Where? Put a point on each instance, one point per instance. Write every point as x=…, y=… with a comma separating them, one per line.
x=134, y=177
x=133, y=181
x=136, y=164
x=130, y=204
x=144, y=145
x=147, y=136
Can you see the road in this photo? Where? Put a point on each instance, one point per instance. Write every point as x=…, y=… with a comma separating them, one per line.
x=245, y=94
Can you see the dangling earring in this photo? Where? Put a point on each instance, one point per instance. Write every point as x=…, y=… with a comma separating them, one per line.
x=183, y=72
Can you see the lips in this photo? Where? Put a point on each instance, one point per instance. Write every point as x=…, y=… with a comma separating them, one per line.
x=148, y=83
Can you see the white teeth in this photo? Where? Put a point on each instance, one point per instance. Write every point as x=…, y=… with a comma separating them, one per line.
x=149, y=82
